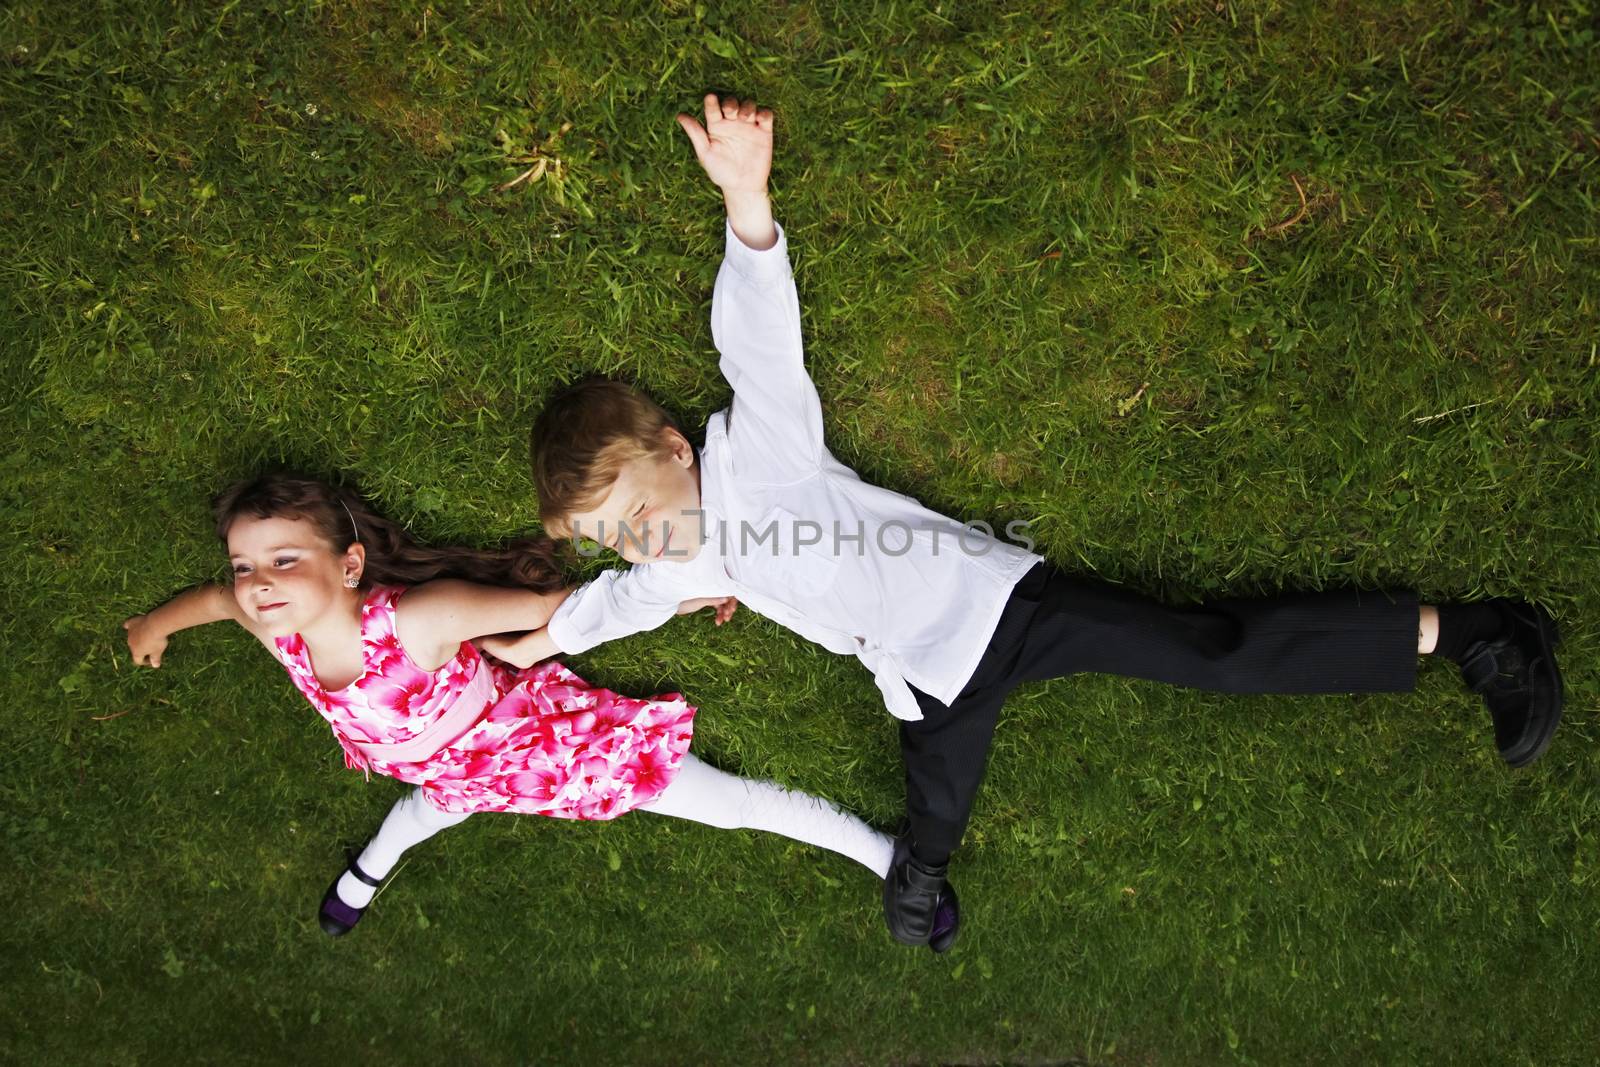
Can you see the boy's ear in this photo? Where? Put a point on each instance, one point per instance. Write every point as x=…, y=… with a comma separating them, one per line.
x=682, y=450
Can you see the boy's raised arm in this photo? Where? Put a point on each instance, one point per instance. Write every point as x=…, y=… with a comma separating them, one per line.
x=755, y=310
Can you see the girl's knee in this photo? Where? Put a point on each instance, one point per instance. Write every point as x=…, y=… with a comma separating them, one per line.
x=425, y=812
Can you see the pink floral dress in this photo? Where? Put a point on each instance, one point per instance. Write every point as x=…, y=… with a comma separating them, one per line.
x=546, y=743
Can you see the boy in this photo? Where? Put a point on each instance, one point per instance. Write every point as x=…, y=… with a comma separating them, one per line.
x=948, y=619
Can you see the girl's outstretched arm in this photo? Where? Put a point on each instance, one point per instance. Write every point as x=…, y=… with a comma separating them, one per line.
x=524, y=650
x=434, y=618
x=148, y=633
x=520, y=650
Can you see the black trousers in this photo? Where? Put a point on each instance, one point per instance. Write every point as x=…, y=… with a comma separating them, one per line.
x=1054, y=625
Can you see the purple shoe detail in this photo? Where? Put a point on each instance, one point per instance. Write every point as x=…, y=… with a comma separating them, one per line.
x=339, y=911
x=946, y=920
x=335, y=916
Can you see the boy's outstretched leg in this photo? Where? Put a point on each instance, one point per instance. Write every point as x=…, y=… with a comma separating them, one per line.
x=1336, y=642
x=945, y=754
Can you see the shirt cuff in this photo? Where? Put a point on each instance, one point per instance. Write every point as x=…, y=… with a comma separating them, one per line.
x=562, y=632
x=763, y=268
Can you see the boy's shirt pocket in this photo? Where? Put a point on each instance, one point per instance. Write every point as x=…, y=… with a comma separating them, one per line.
x=784, y=556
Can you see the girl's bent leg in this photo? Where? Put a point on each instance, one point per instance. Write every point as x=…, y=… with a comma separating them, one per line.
x=411, y=821
x=703, y=794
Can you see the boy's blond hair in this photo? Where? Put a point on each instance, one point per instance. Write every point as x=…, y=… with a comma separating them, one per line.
x=582, y=439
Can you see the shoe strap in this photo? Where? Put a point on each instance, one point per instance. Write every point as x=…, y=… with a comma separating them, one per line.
x=916, y=876
x=363, y=876
x=1480, y=668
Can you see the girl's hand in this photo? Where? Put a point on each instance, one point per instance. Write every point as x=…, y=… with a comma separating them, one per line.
x=520, y=650
x=145, y=640
x=735, y=144
x=725, y=606
x=502, y=648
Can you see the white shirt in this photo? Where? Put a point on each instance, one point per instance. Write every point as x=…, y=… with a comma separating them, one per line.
x=914, y=594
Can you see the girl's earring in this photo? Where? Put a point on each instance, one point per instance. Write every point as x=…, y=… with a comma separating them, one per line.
x=352, y=582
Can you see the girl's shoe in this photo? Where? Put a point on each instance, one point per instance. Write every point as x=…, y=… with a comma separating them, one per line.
x=946, y=920
x=335, y=916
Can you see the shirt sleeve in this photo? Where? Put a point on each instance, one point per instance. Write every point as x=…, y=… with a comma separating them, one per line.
x=616, y=604
x=776, y=418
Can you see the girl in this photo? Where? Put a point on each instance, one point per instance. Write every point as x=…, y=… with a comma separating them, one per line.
x=377, y=631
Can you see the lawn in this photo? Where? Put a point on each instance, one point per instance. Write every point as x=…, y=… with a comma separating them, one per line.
x=1218, y=297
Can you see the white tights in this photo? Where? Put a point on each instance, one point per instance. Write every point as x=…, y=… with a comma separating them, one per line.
x=699, y=793
x=703, y=794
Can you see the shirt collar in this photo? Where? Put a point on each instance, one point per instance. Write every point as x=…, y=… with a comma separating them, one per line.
x=713, y=492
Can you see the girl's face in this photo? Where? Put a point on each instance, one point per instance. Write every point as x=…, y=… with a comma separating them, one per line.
x=285, y=574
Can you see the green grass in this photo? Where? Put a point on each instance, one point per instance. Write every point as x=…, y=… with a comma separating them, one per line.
x=1040, y=278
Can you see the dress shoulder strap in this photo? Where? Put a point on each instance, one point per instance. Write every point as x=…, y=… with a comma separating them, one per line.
x=378, y=618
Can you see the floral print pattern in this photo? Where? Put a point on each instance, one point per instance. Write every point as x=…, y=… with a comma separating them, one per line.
x=546, y=744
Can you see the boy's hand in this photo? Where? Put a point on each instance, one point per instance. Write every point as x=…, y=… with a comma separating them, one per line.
x=735, y=144
x=145, y=640
x=735, y=148
x=725, y=606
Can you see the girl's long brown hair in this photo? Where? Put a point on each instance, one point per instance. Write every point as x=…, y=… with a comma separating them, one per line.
x=393, y=557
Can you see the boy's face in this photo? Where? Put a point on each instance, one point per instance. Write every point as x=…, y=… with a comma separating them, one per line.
x=651, y=514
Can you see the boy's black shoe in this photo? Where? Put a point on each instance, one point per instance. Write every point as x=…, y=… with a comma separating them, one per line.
x=1517, y=676
x=919, y=905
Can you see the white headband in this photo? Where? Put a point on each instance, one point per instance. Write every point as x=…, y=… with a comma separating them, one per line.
x=354, y=529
